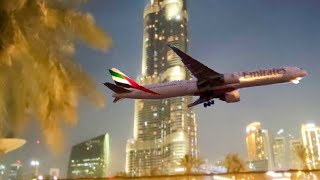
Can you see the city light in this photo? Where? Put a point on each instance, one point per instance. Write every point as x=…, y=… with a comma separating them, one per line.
x=34, y=163
x=179, y=169
x=280, y=132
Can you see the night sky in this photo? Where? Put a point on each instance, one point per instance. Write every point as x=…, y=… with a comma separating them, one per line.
x=226, y=35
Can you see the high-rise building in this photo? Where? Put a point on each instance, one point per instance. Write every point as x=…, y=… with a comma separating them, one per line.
x=294, y=160
x=15, y=172
x=2, y=171
x=164, y=130
x=279, y=153
x=258, y=147
x=90, y=159
x=311, y=141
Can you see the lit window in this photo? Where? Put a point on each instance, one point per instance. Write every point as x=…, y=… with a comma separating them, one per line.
x=155, y=114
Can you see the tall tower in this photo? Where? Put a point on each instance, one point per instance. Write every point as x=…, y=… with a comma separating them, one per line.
x=164, y=130
x=258, y=147
x=294, y=160
x=311, y=141
x=279, y=153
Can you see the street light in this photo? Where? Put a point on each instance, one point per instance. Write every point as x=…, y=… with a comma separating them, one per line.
x=35, y=164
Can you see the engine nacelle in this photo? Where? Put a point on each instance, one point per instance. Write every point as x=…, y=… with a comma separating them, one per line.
x=230, y=79
x=231, y=97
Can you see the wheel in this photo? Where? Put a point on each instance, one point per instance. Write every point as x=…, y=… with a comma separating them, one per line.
x=205, y=105
x=209, y=104
x=212, y=102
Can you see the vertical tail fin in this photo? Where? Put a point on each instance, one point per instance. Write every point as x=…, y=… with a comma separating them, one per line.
x=120, y=78
x=124, y=81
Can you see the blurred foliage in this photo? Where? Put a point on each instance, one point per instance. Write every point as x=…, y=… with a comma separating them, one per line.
x=234, y=163
x=189, y=162
x=39, y=77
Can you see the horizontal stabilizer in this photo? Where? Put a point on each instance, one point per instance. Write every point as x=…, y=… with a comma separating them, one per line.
x=116, y=99
x=116, y=89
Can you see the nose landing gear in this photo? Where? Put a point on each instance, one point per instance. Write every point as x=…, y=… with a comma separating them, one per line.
x=208, y=103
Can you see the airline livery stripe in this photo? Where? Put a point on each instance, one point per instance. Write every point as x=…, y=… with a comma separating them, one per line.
x=116, y=74
x=137, y=86
x=120, y=80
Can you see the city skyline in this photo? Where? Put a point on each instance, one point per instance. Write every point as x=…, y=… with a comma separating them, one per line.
x=234, y=36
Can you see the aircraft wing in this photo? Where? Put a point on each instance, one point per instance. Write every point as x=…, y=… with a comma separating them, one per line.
x=198, y=101
x=198, y=70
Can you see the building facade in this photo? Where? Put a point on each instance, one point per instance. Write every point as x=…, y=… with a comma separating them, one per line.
x=90, y=159
x=279, y=153
x=258, y=147
x=311, y=141
x=295, y=161
x=164, y=130
x=15, y=172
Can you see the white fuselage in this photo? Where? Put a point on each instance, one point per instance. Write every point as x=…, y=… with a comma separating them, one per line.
x=244, y=79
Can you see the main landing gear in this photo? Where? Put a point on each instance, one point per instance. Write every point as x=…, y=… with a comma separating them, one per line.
x=208, y=103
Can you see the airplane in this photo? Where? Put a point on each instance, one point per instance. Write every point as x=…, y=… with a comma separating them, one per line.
x=208, y=85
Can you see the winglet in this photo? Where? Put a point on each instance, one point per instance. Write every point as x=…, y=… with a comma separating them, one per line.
x=180, y=53
x=193, y=65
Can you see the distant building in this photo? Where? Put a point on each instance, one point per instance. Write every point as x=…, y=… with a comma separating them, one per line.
x=15, y=172
x=279, y=153
x=294, y=160
x=311, y=141
x=164, y=130
x=258, y=147
x=2, y=171
x=90, y=159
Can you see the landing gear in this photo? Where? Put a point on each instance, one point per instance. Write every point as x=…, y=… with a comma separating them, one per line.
x=208, y=103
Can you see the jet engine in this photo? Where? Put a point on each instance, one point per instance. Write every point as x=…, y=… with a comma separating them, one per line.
x=230, y=79
x=231, y=97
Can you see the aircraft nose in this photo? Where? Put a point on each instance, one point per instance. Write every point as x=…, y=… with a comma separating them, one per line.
x=303, y=72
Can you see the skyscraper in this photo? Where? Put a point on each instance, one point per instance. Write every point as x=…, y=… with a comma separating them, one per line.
x=279, y=153
x=311, y=141
x=164, y=130
x=258, y=147
x=295, y=161
x=90, y=159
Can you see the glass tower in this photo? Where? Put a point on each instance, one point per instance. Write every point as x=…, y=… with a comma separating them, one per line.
x=311, y=141
x=164, y=130
x=258, y=147
x=90, y=159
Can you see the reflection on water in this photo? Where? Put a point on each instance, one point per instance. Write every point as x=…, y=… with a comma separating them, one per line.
x=39, y=77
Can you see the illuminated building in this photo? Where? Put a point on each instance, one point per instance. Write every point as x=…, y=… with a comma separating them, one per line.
x=295, y=161
x=279, y=153
x=90, y=159
x=164, y=130
x=258, y=147
x=311, y=141
x=15, y=172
